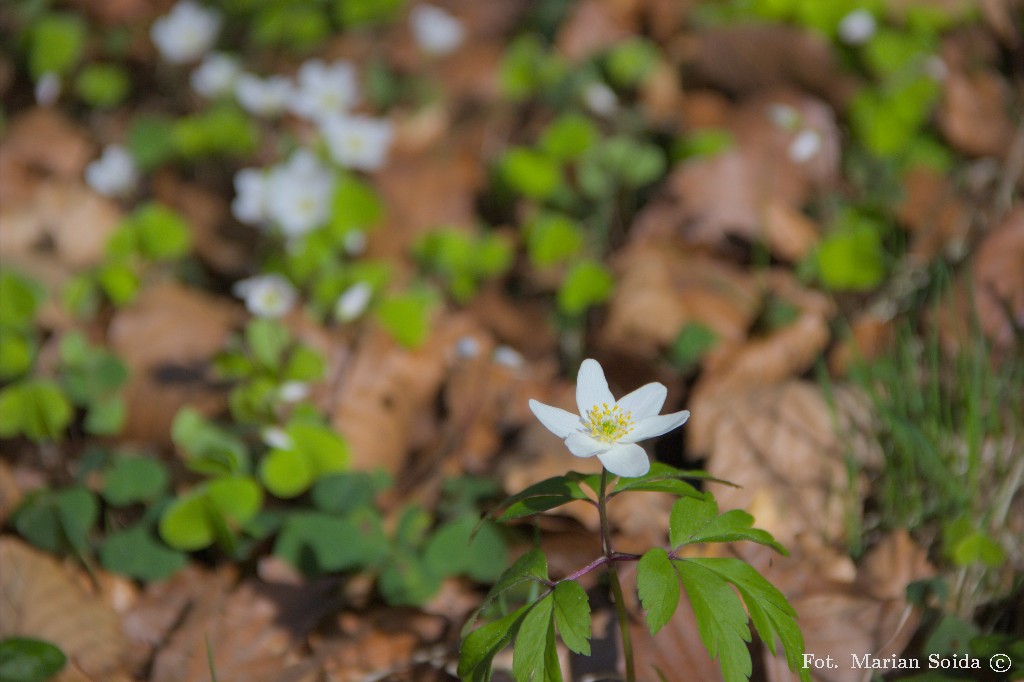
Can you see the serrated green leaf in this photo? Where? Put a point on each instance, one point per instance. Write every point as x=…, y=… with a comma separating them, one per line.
x=572, y=614
x=696, y=519
x=532, y=566
x=662, y=478
x=480, y=646
x=530, y=660
x=658, y=585
x=721, y=620
x=771, y=614
x=547, y=494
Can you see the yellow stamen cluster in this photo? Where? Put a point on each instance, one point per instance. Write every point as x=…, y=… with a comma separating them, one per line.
x=609, y=424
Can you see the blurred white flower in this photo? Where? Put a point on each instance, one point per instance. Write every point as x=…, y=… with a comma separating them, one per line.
x=857, y=27
x=276, y=437
x=354, y=242
x=352, y=303
x=265, y=97
x=250, y=203
x=600, y=99
x=186, y=33
x=805, y=145
x=435, y=30
x=467, y=347
x=508, y=357
x=784, y=116
x=324, y=90
x=48, y=89
x=114, y=173
x=293, y=391
x=608, y=428
x=216, y=75
x=358, y=142
x=266, y=295
x=299, y=194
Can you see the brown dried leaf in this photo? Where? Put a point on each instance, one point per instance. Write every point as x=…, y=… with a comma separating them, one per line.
x=973, y=113
x=591, y=27
x=167, y=337
x=383, y=644
x=253, y=633
x=787, y=448
x=755, y=189
x=42, y=599
x=999, y=280
x=387, y=393
x=933, y=212
x=751, y=58
x=660, y=287
x=40, y=143
x=784, y=352
x=60, y=227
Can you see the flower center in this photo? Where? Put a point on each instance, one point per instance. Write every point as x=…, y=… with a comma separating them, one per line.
x=609, y=424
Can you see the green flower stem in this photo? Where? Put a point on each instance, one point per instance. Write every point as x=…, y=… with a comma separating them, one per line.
x=620, y=603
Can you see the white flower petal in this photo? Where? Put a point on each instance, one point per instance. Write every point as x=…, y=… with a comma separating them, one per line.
x=645, y=401
x=582, y=445
x=655, y=426
x=627, y=460
x=555, y=419
x=592, y=387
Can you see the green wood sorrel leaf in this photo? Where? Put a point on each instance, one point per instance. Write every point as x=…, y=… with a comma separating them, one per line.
x=480, y=646
x=658, y=584
x=23, y=659
x=318, y=543
x=134, y=552
x=696, y=519
x=407, y=580
x=36, y=408
x=58, y=520
x=209, y=512
x=572, y=613
x=133, y=479
x=208, y=448
x=456, y=550
x=535, y=659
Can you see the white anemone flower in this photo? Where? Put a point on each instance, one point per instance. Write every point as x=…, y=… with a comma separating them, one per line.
x=608, y=428
x=600, y=99
x=299, y=194
x=250, y=203
x=187, y=33
x=264, y=97
x=435, y=30
x=353, y=302
x=805, y=145
x=114, y=174
x=358, y=142
x=857, y=27
x=324, y=90
x=268, y=296
x=216, y=75
x=293, y=391
x=48, y=89
x=276, y=437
